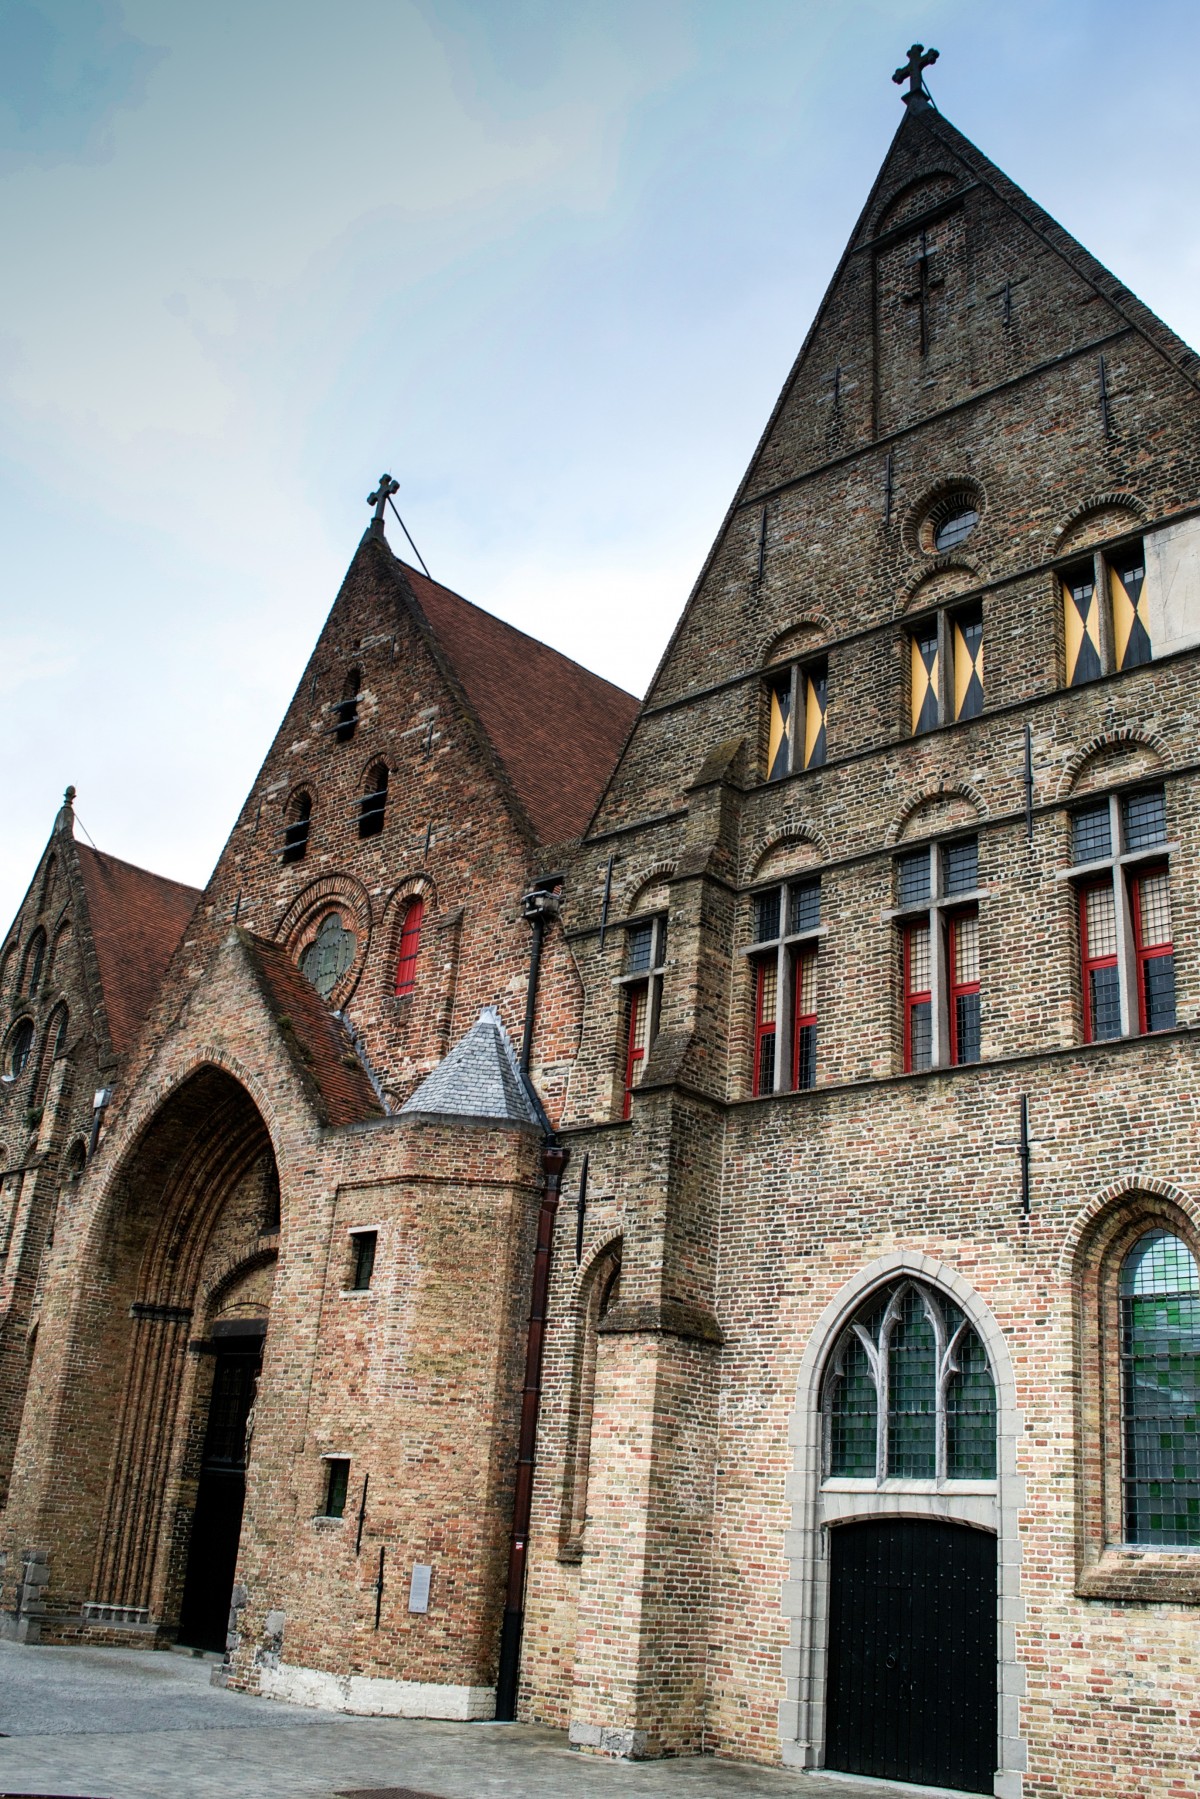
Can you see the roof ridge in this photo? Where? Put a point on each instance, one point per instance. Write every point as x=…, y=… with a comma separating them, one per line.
x=140, y=868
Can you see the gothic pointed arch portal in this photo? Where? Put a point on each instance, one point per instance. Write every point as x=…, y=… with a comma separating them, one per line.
x=190, y=1263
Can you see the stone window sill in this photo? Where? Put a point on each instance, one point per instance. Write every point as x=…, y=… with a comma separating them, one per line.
x=1148, y=1576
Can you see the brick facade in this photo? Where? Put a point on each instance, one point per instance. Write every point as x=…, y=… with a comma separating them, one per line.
x=969, y=360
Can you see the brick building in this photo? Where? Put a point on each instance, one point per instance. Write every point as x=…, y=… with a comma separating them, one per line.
x=868, y=1427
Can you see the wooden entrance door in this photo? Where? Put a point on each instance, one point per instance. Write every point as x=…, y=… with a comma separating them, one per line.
x=217, y=1524
x=912, y=1653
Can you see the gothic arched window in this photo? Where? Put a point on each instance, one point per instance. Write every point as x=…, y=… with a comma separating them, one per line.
x=35, y=957
x=908, y=1393
x=329, y=955
x=1160, y=1382
x=410, y=947
x=601, y=1293
x=372, y=807
x=295, y=835
x=17, y=1049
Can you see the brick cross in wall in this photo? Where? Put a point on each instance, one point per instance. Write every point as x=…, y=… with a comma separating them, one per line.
x=927, y=282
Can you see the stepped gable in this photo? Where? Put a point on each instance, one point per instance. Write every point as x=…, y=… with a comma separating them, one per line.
x=556, y=727
x=137, y=919
x=480, y=1079
x=317, y=1040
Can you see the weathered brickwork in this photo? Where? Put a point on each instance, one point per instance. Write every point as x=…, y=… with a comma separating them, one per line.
x=711, y=1248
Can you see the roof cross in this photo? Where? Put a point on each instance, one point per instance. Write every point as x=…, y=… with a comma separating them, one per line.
x=913, y=71
x=379, y=499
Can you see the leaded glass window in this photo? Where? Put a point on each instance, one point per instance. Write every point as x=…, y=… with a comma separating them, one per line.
x=909, y=1394
x=329, y=954
x=1160, y=1356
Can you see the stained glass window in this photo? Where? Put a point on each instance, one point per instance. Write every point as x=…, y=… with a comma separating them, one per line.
x=329, y=954
x=1160, y=1353
x=911, y=1352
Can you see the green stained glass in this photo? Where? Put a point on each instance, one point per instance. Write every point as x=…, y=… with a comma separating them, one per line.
x=1160, y=1324
x=971, y=1414
x=912, y=1392
x=853, y=1416
x=329, y=954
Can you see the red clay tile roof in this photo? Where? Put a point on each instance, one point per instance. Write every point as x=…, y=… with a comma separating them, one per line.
x=556, y=727
x=137, y=919
x=318, y=1042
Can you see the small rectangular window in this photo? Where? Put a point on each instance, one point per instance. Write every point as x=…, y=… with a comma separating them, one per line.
x=804, y=1033
x=1131, y=623
x=766, y=916
x=779, y=730
x=1081, y=625
x=918, y=997
x=1144, y=819
x=912, y=879
x=337, y=1482
x=804, y=907
x=960, y=866
x=816, y=707
x=1152, y=941
x=967, y=632
x=362, y=1249
x=766, y=1013
x=639, y=949
x=637, y=1038
x=925, y=678
x=964, y=987
x=1098, y=949
x=1091, y=834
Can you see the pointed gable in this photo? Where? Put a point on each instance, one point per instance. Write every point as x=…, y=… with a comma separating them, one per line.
x=136, y=920
x=556, y=728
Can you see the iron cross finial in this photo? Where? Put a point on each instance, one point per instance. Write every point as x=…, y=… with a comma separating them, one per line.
x=379, y=499
x=919, y=59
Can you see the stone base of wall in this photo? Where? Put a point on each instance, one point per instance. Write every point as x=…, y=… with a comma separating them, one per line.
x=621, y=1744
x=371, y=1697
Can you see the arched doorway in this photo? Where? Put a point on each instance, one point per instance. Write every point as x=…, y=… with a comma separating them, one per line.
x=192, y=1243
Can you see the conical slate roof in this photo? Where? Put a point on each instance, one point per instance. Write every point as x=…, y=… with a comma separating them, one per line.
x=480, y=1079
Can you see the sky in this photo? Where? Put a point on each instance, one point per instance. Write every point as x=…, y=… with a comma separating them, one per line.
x=546, y=262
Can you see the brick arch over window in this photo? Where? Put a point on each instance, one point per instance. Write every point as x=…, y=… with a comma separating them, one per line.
x=1099, y=516
x=1113, y=1487
x=341, y=893
x=950, y=488
x=943, y=578
x=1123, y=743
x=807, y=632
x=645, y=889
x=805, y=1593
x=908, y=820
x=798, y=842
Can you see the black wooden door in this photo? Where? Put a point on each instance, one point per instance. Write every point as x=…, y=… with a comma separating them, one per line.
x=217, y=1523
x=912, y=1653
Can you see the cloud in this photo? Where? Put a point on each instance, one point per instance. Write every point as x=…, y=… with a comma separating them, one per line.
x=65, y=70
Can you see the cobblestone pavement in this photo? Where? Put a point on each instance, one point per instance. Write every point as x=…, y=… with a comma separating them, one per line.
x=141, y=1724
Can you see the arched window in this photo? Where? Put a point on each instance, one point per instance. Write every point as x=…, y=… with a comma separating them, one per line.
x=6, y=963
x=17, y=1049
x=35, y=957
x=329, y=955
x=1160, y=1381
x=346, y=710
x=410, y=948
x=372, y=807
x=909, y=1394
x=58, y=949
x=601, y=1293
x=295, y=835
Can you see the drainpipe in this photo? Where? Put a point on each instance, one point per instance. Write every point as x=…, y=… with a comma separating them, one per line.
x=540, y=907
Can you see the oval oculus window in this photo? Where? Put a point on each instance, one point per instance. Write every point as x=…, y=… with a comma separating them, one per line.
x=956, y=529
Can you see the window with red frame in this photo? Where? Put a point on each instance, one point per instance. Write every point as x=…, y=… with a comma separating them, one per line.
x=645, y=961
x=410, y=948
x=804, y=1023
x=1150, y=892
x=918, y=997
x=766, y=1021
x=1098, y=953
x=963, y=966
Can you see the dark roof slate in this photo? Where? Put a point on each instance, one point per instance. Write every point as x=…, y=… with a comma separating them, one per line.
x=556, y=727
x=480, y=1078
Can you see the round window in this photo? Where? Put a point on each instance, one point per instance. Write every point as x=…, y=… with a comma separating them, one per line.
x=329, y=954
x=955, y=529
x=16, y=1055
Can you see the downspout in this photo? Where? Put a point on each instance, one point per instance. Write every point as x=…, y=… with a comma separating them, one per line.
x=540, y=906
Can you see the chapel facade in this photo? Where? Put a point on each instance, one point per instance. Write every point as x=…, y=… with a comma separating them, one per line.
x=682, y=1222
